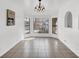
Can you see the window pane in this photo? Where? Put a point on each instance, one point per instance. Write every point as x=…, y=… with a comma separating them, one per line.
x=41, y=25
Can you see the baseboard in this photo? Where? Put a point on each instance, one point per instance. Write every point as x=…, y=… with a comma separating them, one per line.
x=52, y=35
x=69, y=47
x=9, y=48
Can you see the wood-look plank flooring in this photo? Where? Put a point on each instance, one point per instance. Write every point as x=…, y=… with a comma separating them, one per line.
x=40, y=48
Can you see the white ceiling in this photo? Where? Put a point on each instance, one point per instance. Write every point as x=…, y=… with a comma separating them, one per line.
x=52, y=6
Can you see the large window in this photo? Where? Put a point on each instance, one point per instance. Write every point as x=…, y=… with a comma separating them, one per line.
x=27, y=25
x=68, y=19
x=41, y=25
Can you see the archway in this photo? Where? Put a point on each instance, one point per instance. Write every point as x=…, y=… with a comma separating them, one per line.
x=68, y=19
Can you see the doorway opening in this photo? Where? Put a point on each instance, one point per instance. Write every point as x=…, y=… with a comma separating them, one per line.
x=54, y=25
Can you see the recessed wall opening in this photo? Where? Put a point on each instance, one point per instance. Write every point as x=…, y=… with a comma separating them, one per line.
x=68, y=19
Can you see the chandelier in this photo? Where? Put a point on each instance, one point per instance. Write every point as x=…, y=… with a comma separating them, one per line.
x=39, y=7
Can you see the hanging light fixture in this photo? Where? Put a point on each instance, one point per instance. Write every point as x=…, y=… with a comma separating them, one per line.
x=39, y=7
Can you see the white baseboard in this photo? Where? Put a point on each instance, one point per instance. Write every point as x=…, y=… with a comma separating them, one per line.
x=6, y=50
x=65, y=42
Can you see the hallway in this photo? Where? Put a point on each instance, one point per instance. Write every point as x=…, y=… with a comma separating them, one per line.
x=40, y=48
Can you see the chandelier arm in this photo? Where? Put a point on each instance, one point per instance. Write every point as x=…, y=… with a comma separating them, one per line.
x=39, y=7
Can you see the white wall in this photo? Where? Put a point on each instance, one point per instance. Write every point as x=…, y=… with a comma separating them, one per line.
x=51, y=10
x=10, y=35
x=69, y=36
x=51, y=7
